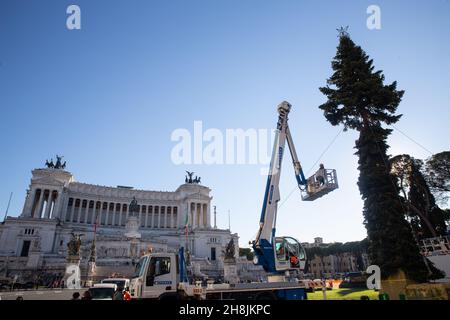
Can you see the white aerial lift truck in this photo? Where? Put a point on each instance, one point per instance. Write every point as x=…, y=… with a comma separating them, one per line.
x=165, y=276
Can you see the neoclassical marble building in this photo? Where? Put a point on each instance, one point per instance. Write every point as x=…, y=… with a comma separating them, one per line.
x=56, y=206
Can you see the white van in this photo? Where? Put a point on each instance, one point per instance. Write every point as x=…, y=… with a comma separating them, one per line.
x=103, y=291
x=122, y=283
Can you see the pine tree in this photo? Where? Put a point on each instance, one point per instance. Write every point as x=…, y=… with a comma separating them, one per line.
x=358, y=99
x=426, y=218
x=437, y=173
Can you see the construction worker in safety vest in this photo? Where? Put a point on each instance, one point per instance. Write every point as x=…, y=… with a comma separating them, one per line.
x=294, y=261
x=126, y=294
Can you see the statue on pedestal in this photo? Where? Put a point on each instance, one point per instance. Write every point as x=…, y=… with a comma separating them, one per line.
x=74, y=245
x=230, y=251
x=134, y=207
x=230, y=273
x=132, y=225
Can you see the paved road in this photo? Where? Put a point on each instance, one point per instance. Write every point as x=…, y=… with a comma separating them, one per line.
x=44, y=294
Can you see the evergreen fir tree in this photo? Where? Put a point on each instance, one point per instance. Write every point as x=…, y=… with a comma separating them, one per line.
x=358, y=99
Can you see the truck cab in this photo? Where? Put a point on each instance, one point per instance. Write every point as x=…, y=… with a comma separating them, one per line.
x=155, y=276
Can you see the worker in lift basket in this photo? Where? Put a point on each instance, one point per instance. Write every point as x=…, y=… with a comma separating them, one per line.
x=320, y=175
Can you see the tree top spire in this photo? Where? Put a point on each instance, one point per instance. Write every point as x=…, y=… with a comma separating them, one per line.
x=343, y=32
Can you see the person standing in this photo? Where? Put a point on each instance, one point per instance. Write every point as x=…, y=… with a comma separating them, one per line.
x=86, y=295
x=118, y=295
x=126, y=295
x=320, y=175
x=76, y=296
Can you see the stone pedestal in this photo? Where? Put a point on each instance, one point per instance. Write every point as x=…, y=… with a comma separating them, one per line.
x=72, y=277
x=34, y=257
x=132, y=228
x=34, y=260
x=230, y=272
x=91, y=273
x=395, y=285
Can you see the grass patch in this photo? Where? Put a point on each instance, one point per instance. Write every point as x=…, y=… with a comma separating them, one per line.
x=344, y=294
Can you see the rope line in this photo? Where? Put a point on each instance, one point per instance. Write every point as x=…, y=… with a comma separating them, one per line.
x=312, y=167
x=411, y=139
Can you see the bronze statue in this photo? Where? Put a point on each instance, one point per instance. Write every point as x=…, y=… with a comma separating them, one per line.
x=134, y=207
x=74, y=245
x=59, y=164
x=190, y=180
x=190, y=174
x=230, y=250
x=49, y=164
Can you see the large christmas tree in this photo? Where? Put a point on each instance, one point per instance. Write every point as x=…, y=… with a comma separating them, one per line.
x=358, y=99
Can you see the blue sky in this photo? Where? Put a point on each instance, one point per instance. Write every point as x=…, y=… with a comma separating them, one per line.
x=108, y=96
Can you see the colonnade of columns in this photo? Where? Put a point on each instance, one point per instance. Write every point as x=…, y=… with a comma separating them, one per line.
x=199, y=215
x=45, y=203
x=116, y=214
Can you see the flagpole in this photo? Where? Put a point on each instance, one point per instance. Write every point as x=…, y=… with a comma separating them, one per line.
x=7, y=208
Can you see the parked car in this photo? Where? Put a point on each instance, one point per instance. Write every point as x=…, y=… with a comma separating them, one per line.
x=103, y=291
x=122, y=283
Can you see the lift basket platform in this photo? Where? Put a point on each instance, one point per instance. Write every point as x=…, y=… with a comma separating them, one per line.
x=322, y=182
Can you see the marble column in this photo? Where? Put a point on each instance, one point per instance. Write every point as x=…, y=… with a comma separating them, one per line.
x=121, y=212
x=153, y=217
x=94, y=209
x=208, y=216
x=80, y=209
x=59, y=205
x=195, y=216
x=107, y=213
x=37, y=210
x=202, y=215
x=100, y=212
x=165, y=217
x=127, y=214
x=146, y=216
x=159, y=217
x=72, y=209
x=26, y=211
x=49, y=205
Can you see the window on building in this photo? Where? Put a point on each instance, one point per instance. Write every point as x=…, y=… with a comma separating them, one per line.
x=213, y=254
x=25, y=248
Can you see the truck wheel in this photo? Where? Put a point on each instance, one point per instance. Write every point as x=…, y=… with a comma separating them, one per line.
x=266, y=296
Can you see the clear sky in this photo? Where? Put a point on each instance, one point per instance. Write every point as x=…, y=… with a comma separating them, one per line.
x=108, y=96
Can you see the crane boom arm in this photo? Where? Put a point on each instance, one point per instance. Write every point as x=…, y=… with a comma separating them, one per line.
x=263, y=245
x=285, y=253
x=299, y=175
